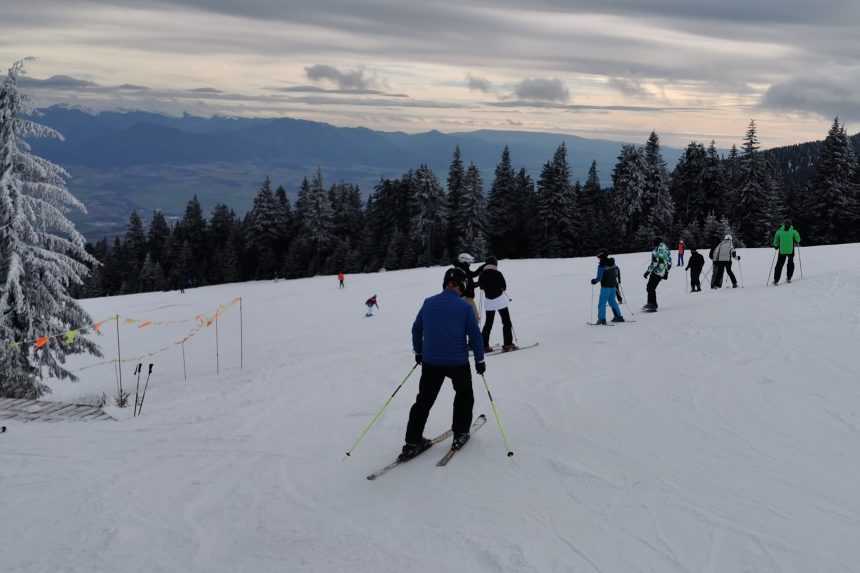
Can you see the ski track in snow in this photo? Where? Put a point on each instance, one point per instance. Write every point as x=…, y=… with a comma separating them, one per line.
x=717, y=435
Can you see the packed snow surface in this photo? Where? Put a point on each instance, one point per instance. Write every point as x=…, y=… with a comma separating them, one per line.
x=721, y=434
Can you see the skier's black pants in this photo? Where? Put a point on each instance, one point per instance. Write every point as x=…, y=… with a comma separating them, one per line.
x=653, y=282
x=507, y=327
x=780, y=261
x=721, y=267
x=432, y=378
x=695, y=283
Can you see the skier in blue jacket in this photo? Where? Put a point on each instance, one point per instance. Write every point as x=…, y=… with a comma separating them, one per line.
x=609, y=277
x=442, y=333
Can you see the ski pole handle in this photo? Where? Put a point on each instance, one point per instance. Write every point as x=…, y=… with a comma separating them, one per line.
x=381, y=410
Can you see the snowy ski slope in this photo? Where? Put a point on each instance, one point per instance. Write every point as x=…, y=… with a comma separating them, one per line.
x=721, y=434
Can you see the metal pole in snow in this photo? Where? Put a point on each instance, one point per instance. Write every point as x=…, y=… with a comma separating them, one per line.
x=241, y=336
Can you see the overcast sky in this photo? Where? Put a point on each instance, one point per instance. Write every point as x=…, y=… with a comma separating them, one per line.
x=614, y=69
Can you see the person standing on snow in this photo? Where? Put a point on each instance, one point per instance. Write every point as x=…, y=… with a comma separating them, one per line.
x=609, y=277
x=658, y=270
x=695, y=266
x=463, y=262
x=722, y=255
x=442, y=333
x=681, y=248
x=492, y=282
x=371, y=302
x=784, y=240
x=340, y=279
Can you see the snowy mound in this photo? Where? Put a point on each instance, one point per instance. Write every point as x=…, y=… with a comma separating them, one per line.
x=720, y=434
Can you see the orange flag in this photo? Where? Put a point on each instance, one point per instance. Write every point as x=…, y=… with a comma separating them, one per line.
x=145, y=323
x=40, y=342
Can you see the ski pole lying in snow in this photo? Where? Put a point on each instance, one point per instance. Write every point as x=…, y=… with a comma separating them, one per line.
x=770, y=272
x=381, y=410
x=498, y=420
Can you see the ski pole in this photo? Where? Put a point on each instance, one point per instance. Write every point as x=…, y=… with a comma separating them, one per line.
x=591, y=306
x=770, y=272
x=137, y=388
x=498, y=420
x=143, y=397
x=624, y=299
x=800, y=260
x=741, y=269
x=378, y=414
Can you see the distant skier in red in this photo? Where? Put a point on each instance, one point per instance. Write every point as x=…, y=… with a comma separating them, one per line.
x=681, y=249
x=340, y=278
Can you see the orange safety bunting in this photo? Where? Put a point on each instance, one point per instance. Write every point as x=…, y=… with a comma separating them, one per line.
x=144, y=324
x=42, y=341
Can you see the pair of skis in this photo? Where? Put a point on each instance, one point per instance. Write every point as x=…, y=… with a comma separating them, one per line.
x=476, y=425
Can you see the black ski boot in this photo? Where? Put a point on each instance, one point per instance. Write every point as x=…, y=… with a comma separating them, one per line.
x=618, y=319
x=411, y=450
x=459, y=441
x=601, y=322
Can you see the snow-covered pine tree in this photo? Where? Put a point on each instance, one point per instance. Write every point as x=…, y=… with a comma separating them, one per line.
x=456, y=184
x=263, y=231
x=157, y=237
x=758, y=207
x=472, y=215
x=658, y=207
x=715, y=185
x=628, y=183
x=526, y=220
x=430, y=213
x=285, y=223
x=502, y=210
x=41, y=255
x=316, y=219
x=556, y=206
x=687, y=187
x=832, y=200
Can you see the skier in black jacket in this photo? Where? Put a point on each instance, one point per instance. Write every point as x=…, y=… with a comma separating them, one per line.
x=492, y=282
x=695, y=266
x=463, y=262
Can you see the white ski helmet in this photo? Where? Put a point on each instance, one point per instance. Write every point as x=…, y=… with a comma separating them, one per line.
x=466, y=258
x=728, y=238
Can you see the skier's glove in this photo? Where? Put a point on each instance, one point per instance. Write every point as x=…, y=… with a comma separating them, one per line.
x=419, y=358
x=594, y=281
x=481, y=367
x=618, y=296
x=645, y=276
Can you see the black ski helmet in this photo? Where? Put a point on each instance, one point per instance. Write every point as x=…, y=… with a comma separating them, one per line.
x=492, y=261
x=456, y=276
x=602, y=254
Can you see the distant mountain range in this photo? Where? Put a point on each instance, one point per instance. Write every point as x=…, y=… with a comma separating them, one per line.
x=122, y=161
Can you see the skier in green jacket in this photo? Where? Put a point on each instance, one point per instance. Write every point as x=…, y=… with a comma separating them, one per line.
x=661, y=262
x=784, y=240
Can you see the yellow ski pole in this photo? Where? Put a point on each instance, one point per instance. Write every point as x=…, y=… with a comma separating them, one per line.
x=379, y=414
x=498, y=420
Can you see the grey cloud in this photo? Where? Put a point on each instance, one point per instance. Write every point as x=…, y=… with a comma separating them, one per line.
x=629, y=87
x=479, y=84
x=597, y=108
x=345, y=80
x=538, y=89
x=824, y=96
x=319, y=90
x=206, y=91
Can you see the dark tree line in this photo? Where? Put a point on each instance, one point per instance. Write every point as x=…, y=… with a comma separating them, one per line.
x=414, y=220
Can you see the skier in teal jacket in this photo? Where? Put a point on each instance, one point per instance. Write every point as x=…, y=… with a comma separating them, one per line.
x=658, y=270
